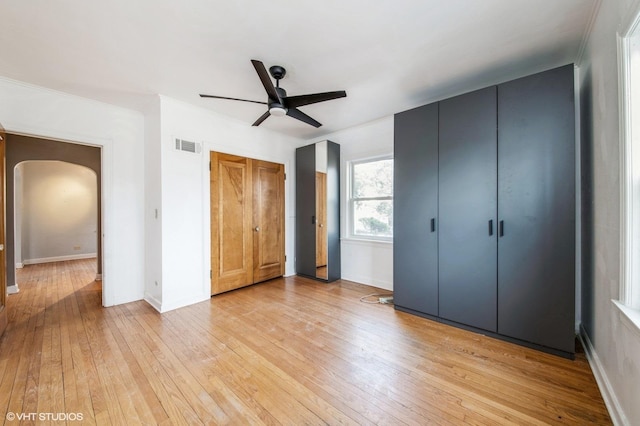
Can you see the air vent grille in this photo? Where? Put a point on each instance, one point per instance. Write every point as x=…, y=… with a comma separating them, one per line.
x=188, y=146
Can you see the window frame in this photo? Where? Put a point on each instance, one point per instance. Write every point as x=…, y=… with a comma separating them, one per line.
x=629, y=295
x=351, y=199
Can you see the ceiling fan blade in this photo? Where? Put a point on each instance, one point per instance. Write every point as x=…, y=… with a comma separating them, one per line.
x=262, y=118
x=299, y=115
x=297, y=101
x=231, y=99
x=266, y=80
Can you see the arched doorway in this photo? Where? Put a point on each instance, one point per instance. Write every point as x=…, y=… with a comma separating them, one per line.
x=22, y=148
x=55, y=212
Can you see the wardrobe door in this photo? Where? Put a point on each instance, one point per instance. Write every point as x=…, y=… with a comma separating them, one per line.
x=306, y=210
x=536, y=273
x=334, y=263
x=231, y=222
x=467, y=201
x=268, y=220
x=415, y=210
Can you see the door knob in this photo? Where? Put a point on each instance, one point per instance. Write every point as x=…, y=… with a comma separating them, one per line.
x=321, y=225
x=257, y=229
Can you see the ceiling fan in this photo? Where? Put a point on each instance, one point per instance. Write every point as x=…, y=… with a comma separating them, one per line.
x=278, y=102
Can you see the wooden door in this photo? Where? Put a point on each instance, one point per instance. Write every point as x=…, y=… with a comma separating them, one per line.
x=321, y=219
x=231, y=222
x=467, y=199
x=268, y=220
x=3, y=257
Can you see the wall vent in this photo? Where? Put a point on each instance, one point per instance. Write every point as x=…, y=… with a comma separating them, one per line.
x=188, y=146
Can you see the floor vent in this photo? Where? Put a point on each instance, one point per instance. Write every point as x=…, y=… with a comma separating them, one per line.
x=188, y=146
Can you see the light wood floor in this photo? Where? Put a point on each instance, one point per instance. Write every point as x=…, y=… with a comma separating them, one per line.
x=290, y=351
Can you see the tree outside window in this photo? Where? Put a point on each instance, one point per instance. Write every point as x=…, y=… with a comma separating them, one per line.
x=372, y=198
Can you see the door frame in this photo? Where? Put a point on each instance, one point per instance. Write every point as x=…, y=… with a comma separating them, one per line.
x=207, y=206
x=4, y=317
x=105, y=154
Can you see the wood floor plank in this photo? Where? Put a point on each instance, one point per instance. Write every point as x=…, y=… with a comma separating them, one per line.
x=287, y=351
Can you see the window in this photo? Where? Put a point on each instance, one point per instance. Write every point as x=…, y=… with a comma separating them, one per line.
x=629, y=53
x=371, y=198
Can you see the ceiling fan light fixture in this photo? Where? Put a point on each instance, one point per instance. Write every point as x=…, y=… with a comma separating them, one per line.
x=277, y=111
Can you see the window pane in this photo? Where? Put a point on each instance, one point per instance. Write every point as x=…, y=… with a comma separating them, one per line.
x=373, y=179
x=373, y=218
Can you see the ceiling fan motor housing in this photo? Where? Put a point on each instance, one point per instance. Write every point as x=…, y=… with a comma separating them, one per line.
x=275, y=107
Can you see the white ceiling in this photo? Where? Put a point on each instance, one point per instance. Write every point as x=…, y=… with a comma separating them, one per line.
x=389, y=55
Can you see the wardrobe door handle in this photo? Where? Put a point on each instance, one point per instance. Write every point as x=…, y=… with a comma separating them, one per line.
x=433, y=224
x=491, y=227
x=501, y=228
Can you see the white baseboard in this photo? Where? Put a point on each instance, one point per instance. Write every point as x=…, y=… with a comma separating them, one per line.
x=19, y=265
x=155, y=303
x=13, y=289
x=373, y=282
x=58, y=258
x=615, y=410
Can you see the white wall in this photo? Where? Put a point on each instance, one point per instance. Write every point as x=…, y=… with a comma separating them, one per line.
x=152, y=205
x=613, y=343
x=183, y=200
x=366, y=262
x=37, y=111
x=59, y=212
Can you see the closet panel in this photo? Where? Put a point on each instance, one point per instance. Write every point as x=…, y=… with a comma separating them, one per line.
x=268, y=220
x=536, y=258
x=231, y=220
x=415, y=210
x=334, y=261
x=247, y=221
x=306, y=210
x=318, y=211
x=467, y=209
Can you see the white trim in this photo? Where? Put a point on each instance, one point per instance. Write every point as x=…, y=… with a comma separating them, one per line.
x=19, y=265
x=629, y=220
x=626, y=220
x=587, y=32
x=366, y=280
x=630, y=19
x=155, y=303
x=368, y=241
x=59, y=258
x=629, y=317
x=175, y=304
x=13, y=289
x=350, y=164
x=608, y=395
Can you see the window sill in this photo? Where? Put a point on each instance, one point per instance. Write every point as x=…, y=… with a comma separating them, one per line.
x=629, y=316
x=366, y=241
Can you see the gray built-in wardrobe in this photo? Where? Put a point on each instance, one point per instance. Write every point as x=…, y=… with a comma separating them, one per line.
x=484, y=211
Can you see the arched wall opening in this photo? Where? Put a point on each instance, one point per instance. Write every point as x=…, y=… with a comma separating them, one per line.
x=19, y=149
x=55, y=211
